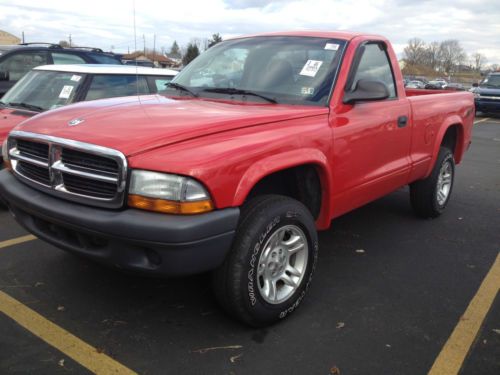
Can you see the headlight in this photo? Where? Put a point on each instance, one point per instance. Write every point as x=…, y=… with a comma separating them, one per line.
x=5, y=154
x=168, y=193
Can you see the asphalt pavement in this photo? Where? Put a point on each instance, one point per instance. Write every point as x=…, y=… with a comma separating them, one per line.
x=388, y=292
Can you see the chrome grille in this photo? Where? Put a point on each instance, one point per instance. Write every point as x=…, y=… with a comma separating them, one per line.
x=77, y=171
x=34, y=172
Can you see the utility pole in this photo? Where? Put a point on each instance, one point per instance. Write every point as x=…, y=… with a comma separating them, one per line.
x=144, y=41
x=154, y=48
x=69, y=40
x=23, y=36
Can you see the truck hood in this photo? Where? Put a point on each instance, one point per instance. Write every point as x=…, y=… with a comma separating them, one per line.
x=9, y=118
x=134, y=125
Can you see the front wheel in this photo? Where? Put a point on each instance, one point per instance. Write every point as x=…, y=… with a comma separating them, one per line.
x=267, y=273
x=430, y=196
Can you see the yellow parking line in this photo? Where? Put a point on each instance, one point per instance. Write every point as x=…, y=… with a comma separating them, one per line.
x=452, y=355
x=17, y=240
x=72, y=346
x=482, y=120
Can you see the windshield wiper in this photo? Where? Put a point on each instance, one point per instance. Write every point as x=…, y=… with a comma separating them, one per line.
x=182, y=88
x=31, y=107
x=233, y=91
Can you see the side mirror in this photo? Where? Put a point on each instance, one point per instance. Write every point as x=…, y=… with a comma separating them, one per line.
x=4, y=76
x=367, y=90
x=475, y=85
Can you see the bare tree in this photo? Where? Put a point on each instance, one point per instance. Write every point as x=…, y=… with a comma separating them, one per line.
x=432, y=54
x=478, y=61
x=414, y=52
x=451, y=54
x=64, y=43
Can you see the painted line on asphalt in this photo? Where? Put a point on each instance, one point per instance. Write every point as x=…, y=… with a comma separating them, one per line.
x=453, y=354
x=16, y=241
x=83, y=353
x=482, y=120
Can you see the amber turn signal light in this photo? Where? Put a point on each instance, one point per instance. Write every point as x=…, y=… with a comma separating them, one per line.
x=7, y=165
x=169, y=207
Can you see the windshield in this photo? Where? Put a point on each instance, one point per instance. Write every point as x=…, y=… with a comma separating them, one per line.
x=492, y=81
x=42, y=90
x=292, y=70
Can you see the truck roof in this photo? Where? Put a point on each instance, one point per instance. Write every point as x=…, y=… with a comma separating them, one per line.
x=107, y=69
x=344, y=35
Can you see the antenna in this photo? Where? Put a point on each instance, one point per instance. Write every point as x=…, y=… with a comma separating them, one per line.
x=135, y=50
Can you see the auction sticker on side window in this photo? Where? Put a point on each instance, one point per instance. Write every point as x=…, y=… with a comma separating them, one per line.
x=66, y=92
x=311, y=68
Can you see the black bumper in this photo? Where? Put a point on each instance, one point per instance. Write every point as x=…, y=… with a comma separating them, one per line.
x=488, y=106
x=151, y=243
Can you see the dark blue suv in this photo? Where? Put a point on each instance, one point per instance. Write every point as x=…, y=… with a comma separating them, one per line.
x=17, y=60
x=487, y=94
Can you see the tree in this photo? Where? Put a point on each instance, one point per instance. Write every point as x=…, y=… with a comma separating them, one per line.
x=64, y=44
x=216, y=38
x=432, y=55
x=414, y=53
x=451, y=54
x=478, y=60
x=175, y=51
x=192, y=51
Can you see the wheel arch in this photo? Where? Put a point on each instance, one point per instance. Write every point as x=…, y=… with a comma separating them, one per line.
x=450, y=134
x=278, y=165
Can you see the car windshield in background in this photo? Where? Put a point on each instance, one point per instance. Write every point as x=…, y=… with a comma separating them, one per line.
x=43, y=90
x=492, y=81
x=292, y=70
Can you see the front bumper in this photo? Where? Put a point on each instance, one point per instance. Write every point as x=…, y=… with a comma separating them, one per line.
x=483, y=105
x=131, y=239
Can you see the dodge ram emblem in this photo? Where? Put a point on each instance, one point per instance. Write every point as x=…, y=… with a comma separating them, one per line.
x=75, y=121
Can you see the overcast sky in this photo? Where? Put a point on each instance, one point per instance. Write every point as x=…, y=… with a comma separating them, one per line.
x=101, y=23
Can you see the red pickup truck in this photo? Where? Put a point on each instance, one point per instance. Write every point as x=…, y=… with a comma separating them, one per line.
x=257, y=144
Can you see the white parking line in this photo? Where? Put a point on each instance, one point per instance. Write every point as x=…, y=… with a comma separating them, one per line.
x=482, y=120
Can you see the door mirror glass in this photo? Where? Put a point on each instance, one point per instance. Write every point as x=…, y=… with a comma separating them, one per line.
x=366, y=90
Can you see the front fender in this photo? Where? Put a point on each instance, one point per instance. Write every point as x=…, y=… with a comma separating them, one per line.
x=289, y=159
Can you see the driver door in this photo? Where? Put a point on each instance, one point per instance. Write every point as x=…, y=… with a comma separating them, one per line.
x=371, y=139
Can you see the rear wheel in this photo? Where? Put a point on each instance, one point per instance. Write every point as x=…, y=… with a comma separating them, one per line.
x=430, y=196
x=266, y=275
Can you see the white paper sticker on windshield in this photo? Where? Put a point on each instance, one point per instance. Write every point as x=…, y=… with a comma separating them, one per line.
x=76, y=78
x=66, y=92
x=332, y=46
x=311, y=68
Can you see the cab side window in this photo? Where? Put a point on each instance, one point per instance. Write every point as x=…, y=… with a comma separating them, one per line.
x=375, y=65
x=18, y=64
x=66, y=58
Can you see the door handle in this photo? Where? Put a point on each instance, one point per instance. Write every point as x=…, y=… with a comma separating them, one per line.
x=402, y=121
